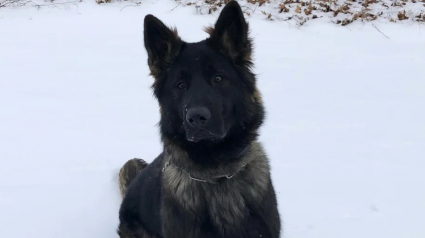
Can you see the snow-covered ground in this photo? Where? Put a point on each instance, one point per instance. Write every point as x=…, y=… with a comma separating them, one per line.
x=345, y=128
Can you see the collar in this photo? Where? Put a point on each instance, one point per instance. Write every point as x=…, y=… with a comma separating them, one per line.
x=215, y=179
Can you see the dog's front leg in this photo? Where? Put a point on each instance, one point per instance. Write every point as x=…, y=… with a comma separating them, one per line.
x=124, y=231
x=266, y=219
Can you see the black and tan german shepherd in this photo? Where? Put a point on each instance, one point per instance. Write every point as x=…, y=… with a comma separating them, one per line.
x=212, y=179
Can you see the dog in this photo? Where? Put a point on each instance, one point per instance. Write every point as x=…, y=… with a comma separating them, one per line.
x=212, y=179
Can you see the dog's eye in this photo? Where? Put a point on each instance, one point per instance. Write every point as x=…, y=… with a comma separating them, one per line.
x=181, y=85
x=218, y=78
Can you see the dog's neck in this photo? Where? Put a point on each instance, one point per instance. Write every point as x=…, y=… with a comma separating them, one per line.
x=178, y=158
x=181, y=160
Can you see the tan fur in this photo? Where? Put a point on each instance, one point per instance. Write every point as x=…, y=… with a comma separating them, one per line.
x=257, y=97
x=173, y=49
x=160, y=110
x=226, y=201
x=209, y=30
x=228, y=46
x=175, y=32
x=128, y=172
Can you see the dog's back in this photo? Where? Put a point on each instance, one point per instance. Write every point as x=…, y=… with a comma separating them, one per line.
x=128, y=172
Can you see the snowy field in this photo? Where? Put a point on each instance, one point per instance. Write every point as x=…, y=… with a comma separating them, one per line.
x=345, y=128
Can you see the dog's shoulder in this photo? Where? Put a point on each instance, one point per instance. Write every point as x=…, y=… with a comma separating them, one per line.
x=137, y=207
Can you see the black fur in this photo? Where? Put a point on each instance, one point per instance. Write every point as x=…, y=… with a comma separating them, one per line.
x=210, y=114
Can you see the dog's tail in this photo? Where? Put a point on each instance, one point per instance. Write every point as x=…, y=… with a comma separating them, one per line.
x=128, y=172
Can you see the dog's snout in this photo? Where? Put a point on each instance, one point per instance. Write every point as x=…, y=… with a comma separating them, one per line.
x=198, y=116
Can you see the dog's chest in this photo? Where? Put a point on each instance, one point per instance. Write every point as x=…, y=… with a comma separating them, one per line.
x=224, y=202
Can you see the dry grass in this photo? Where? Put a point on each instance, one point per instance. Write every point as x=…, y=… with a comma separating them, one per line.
x=341, y=12
x=38, y=4
x=13, y=3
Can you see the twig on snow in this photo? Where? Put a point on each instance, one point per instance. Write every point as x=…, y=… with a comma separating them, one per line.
x=129, y=6
x=175, y=7
x=253, y=11
x=58, y=3
x=379, y=31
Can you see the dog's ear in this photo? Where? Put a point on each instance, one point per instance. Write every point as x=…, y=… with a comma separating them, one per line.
x=162, y=44
x=231, y=33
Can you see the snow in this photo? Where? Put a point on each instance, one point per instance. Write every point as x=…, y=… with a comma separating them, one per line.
x=345, y=127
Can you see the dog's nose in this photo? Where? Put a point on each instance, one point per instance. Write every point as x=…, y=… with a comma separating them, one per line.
x=198, y=116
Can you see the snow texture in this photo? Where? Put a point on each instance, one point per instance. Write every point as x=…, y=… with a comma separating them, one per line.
x=345, y=127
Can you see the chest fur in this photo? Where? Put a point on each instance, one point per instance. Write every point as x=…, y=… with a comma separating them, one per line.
x=225, y=202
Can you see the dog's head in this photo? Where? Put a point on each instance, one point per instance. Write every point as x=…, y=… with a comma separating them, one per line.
x=206, y=90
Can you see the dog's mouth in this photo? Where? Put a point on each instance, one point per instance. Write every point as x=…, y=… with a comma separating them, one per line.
x=196, y=135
